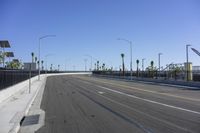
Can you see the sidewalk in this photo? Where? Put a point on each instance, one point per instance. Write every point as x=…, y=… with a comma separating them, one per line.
x=16, y=101
x=13, y=109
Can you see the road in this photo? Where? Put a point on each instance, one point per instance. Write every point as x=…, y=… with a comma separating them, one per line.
x=84, y=104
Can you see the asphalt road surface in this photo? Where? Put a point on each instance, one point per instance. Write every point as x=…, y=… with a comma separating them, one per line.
x=83, y=104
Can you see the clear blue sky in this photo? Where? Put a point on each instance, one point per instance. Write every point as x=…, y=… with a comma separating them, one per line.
x=93, y=26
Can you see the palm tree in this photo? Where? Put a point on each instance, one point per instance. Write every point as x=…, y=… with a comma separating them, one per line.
x=35, y=59
x=103, y=66
x=38, y=64
x=137, y=61
x=58, y=67
x=152, y=64
x=32, y=54
x=51, y=68
x=123, y=67
x=42, y=62
x=97, y=65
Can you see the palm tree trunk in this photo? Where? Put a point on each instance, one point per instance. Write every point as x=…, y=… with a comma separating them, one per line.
x=123, y=67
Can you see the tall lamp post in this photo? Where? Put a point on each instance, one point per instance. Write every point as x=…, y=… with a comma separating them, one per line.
x=43, y=37
x=187, y=61
x=130, y=42
x=159, y=54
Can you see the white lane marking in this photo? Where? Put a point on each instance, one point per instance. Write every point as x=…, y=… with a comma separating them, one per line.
x=100, y=92
x=150, y=101
x=154, y=92
x=166, y=122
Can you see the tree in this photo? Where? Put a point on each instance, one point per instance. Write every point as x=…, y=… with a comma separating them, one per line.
x=51, y=68
x=32, y=54
x=35, y=59
x=13, y=65
x=123, y=66
x=42, y=62
x=97, y=65
x=137, y=61
x=103, y=66
x=58, y=67
x=152, y=64
x=38, y=64
x=1, y=57
x=152, y=68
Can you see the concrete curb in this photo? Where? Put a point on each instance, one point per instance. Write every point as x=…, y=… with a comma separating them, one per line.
x=16, y=127
x=9, y=92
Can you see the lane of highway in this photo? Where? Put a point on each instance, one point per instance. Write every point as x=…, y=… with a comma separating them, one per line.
x=78, y=104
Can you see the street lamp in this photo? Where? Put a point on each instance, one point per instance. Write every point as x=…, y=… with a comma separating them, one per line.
x=130, y=42
x=187, y=60
x=43, y=37
x=159, y=54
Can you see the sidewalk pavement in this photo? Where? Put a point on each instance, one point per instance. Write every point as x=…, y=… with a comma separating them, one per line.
x=16, y=101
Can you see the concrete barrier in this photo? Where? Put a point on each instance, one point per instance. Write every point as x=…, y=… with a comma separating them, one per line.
x=12, y=112
x=7, y=92
x=196, y=85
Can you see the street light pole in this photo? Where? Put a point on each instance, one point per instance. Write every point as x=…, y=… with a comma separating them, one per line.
x=187, y=61
x=131, y=61
x=39, y=52
x=159, y=54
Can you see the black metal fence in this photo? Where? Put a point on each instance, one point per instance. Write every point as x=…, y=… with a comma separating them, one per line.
x=165, y=75
x=11, y=77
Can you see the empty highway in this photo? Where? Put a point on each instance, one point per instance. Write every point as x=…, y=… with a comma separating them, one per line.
x=84, y=104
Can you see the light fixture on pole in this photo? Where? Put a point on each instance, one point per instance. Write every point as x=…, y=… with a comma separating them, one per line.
x=46, y=36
